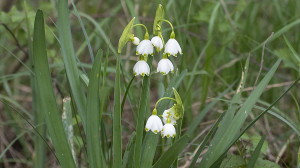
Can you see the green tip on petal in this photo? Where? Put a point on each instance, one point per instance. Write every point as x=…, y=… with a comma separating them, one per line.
x=146, y=129
x=137, y=53
x=155, y=131
x=143, y=74
x=172, y=36
x=154, y=112
x=168, y=136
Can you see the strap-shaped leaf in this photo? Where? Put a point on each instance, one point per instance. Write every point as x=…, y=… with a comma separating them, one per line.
x=172, y=153
x=93, y=115
x=46, y=94
x=126, y=35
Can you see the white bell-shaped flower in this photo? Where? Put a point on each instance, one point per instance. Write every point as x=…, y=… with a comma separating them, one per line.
x=169, y=113
x=135, y=41
x=157, y=43
x=165, y=66
x=168, y=131
x=154, y=124
x=141, y=68
x=172, y=47
x=144, y=48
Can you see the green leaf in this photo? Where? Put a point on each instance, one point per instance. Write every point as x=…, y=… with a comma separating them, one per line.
x=158, y=16
x=278, y=33
x=126, y=93
x=46, y=94
x=141, y=119
x=126, y=35
x=172, y=153
x=84, y=31
x=69, y=58
x=256, y=119
x=233, y=161
x=205, y=141
x=256, y=153
x=117, y=134
x=128, y=150
x=93, y=115
x=219, y=144
x=195, y=123
x=260, y=163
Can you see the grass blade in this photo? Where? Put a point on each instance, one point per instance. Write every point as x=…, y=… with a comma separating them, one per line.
x=93, y=116
x=219, y=145
x=253, y=121
x=39, y=145
x=69, y=59
x=205, y=141
x=117, y=134
x=128, y=150
x=172, y=153
x=126, y=93
x=141, y=118
x=46, y=94
x=256, y=152
x=202, y=114
x=84, y=31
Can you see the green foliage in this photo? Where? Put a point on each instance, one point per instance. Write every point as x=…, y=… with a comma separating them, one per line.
x=102, y=123
x=46, y=95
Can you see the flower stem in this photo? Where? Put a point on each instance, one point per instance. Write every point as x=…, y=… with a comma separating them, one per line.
x=164, y=20
x=146, y=34
x=164, y=98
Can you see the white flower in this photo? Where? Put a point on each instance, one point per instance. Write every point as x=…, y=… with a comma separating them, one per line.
x=154, y=124
x=135, y=41
x=144, y=48
x=157, y=43
x=165, y=66
x=169, y=114
x=141, y=68
x=172, y=47
x=168, y=131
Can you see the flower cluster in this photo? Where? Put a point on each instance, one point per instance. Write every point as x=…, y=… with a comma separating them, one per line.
x=146, y=46
x=169, y=118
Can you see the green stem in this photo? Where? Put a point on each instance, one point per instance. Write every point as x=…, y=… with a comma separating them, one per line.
x=164, y=20
x=146, y=34
x=164, y=98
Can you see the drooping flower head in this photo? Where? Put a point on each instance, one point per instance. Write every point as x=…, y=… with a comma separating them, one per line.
x=157, y=43
x=168, y=130
x=165, y=66
x=141, y=68
x=135, y=41
x=154, y=123
x=172, y=47
x=169, y=113
x=145, y=47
